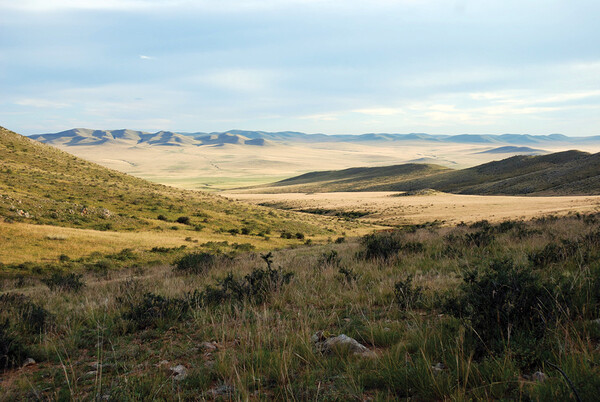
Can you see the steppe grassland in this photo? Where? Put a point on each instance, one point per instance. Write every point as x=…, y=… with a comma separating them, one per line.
x=232, y=165
x=100, y=341
x=391, y=208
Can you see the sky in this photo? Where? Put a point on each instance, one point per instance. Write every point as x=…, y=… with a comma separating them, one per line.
x=328, y=66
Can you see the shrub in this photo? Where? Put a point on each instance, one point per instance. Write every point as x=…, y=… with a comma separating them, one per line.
x=407, y=295
x=347, y=276
x=381, y=245
x=330, y=259
x=155, y=310
x=30, y=317
x=195, y=263
x=552, y=253
x=481, y=238
x=234, y=231
x=299, y=236
x=286, y=235
x=246, y=231
x=340, y=240
x=70, y=282
x=12, y=352
x=162, y=218
x=504, y=302
x=255, y=287
x=183, y=220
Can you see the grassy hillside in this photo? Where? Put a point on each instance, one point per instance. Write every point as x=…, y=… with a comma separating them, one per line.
x=44, y=186
x=359, y=179
x=562, y=173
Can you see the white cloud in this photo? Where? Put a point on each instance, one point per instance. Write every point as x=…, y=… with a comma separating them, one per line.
x=144, y=57
x=240, y=80
x=41, y=103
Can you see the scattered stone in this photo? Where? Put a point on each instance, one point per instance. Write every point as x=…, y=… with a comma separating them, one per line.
x=326, y=343
x=209, y=346
x=179, y=372
x=162, y=363
x=221, y=390
x=28, y=362
x=22, y=213
x=92, y=373
x=538, y=376
x=100, y=366
x=438, y=368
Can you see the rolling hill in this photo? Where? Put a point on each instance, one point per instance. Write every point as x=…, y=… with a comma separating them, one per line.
x=515, y=151
x=561, y=173
x=84, y=136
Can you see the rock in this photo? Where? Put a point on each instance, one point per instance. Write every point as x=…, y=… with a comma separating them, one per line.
x=179, y=372
x=208, y=346
x=221, y=390
x=327, y=344
x=162, y=363
x=438, y=368
x=538, y=376
x=28, y=362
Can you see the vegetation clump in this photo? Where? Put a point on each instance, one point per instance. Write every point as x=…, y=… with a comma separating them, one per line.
x=196, y=263
x=65, y=282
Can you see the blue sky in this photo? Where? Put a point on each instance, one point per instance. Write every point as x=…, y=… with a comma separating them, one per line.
x=337, y=66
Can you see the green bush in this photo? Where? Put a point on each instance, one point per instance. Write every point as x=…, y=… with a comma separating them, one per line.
x=503, y=304
x=183, y=220
x=330, y=259
x=30, y=317
x=70, y=282
x=195, y=263
x=154, y=311
x=407, y=295
x=381, y=245
x=12, y=352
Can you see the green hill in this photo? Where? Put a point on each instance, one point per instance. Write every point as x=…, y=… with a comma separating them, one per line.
x=562, y=173
x=43, y=185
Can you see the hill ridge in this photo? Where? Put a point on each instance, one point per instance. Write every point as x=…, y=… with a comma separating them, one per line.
x=561, y=173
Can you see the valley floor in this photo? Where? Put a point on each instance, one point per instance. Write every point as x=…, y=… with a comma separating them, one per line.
x=392, y=208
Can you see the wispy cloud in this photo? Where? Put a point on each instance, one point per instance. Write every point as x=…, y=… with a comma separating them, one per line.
x=144, y=57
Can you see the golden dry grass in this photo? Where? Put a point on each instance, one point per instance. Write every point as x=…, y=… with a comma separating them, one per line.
x=387, y=208
x=23, y=242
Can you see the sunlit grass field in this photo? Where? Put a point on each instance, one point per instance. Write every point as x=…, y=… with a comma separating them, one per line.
x=242, y=332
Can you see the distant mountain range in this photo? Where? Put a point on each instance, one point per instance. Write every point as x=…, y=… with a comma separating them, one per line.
x=561, y=173
x=84, y=136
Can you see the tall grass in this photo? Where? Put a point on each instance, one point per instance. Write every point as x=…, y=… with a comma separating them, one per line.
x=435, y=312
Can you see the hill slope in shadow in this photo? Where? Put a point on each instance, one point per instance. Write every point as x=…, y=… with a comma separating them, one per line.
x=562, y=173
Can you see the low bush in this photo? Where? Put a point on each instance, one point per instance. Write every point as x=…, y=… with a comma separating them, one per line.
x=12, y=352
x=70, y=282
x=505, y=305
x=407, y=295
x=155, y=311
x=381, y=245
x=30, y=317
x=329, y=259
x=347, y=276
x=185, y=220
x=195, y=263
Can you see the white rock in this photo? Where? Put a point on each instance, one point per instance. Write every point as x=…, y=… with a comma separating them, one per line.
x=539, y=376
x=327, y=344
x=179, y=372
x=28, y=362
